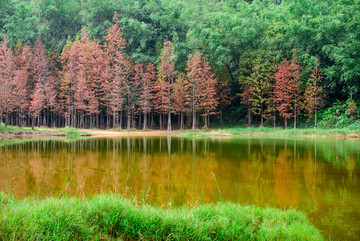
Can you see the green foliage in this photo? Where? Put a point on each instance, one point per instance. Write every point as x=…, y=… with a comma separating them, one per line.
x=110, y=217
x=337, y=116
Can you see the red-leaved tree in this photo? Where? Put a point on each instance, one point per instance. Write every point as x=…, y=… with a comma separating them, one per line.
x=44, y=96
x=145, y=90
x=208, y=101
x=283, y=91
x=6, y=81
x=23, y=82
x=180, y=98
x=118, y=86
x=223, y=92
x=194, y=69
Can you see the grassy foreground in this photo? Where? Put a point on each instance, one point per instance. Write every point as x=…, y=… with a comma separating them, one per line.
x=110, y=217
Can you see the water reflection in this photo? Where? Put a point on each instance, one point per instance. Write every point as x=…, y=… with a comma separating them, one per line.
x=319, y=177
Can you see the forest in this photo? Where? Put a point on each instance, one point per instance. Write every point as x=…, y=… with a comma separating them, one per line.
x=165, y=64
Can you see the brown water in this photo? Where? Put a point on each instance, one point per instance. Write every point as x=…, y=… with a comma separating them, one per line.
x=317, y=176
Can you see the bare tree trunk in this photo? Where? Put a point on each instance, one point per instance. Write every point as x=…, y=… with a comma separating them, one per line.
x=182, y=121
x=169, y=122
x=295, y=117
x=145, y=121
x=285, y=123
x=160, y=121
x=128, y=118
x=261, y=115
x=221, y=117
x=121, y=118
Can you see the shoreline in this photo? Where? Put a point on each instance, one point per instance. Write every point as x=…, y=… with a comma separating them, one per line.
x=44, y=132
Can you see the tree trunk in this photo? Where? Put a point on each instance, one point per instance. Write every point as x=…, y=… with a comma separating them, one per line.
x=221, y=117
x=169, y=122
x=145, y=121
x=315, y=119
x=193, y=119
x=32, y=123
x=285, y=123
x=128, y=118
x=160, y=121
x=274, y=123
x=261, y=115
x=249, y=117
x=295, y=117
x=182, y=121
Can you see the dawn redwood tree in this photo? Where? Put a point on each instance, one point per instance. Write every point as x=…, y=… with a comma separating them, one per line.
x=98, y=71
x=314, y=95
x=67, y=86
x=295, y=90
x=22, y=82
x=283, y=91
x=161, y=98
x=145, y=91
x=118, y=74
x=167, y=74
x=194, y=69
x=223, y=92
x=208, y=101
x=44, y=96
x=260, y=84
x=180, y=98
x=6, y=81
x=84, y=96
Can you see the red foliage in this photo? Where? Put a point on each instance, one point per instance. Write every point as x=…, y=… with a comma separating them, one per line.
x=201, y=85
x=208, y=100
x=118, y=72
x=23, y=83
x=6, y=79
x=44, y=96
x=283, y=90
x=145, y=90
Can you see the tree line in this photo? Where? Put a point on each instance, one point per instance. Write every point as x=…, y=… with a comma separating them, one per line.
x=99, y=86
x=239, y=39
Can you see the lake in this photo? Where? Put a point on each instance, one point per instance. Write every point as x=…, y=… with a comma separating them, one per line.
x=320, y=177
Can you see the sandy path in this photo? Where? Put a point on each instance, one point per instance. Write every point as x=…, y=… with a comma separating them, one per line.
x=108, y=133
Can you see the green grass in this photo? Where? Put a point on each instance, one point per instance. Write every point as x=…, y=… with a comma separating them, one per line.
x=287, y=132
x=109, y=217
x=69, y=131
x=15, y=128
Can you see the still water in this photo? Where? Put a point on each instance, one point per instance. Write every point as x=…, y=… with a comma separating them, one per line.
x=320, y=177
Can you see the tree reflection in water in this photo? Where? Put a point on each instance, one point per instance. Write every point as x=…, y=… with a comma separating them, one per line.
x=317, y=176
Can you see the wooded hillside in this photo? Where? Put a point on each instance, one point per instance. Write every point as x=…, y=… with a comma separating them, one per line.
x=140, y=64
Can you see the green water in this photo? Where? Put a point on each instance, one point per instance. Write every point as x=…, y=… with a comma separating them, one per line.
x=320, y=177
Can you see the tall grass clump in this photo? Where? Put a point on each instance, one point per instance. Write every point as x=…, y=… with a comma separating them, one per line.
x=109, y=217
